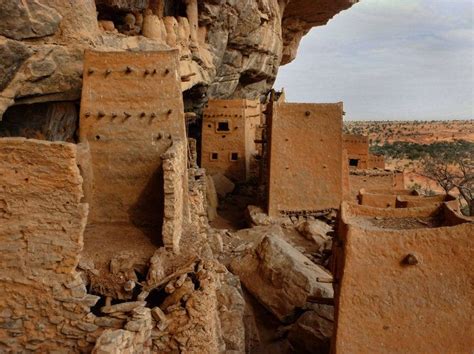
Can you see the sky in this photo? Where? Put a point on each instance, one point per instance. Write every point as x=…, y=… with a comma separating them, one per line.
x=389, y=60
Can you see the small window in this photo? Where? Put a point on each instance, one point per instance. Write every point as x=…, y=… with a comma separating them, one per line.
x=234, y=156
x=353, y=162
x=223, y=127
x=214, y=156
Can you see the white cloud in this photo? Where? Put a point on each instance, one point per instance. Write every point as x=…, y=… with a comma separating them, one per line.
x=389, y=59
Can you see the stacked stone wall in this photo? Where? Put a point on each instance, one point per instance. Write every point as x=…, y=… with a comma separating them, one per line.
x=175, y=193
x=44, y=305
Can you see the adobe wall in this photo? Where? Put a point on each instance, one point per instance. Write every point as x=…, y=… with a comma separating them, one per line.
x=452, y=215
x=346, y=185
x=359, y=179
x=412, y=201
x=376, y=161
x=387, y=198
x=389, y=302
x=243, y=117
x=357, y=147
x=253, y=120
x=305, y=158
x=398, y=179
x=131, y=111
x=44, y=305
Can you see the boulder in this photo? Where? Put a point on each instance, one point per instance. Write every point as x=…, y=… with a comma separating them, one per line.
x=317, y=231
x=256, y=216
x=12, y=56
x=312, y=332
x=28, y=19
x=280, y=277
x=222, y=184
x=231, y=313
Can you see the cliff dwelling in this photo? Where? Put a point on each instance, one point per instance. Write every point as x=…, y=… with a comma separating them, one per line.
x=157, y=195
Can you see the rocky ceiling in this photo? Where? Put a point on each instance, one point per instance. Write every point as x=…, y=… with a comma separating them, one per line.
x=231, y=48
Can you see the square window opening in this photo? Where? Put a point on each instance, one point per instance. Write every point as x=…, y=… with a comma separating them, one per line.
x=353, y=162
x=234, y=156
x=214, y=156
x=223, y=127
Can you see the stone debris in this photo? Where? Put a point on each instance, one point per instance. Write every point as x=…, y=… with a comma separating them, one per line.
x=160, y=318
x=314, y=230
x=313, y=330
x=123, y=307
x=280, y=277
x=257, y=217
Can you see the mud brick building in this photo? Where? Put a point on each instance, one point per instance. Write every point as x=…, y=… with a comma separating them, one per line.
x=305, y=157
x=131, y=114
x=357, y=147
x=359, y=157
x=229, y=131
x=376, y=161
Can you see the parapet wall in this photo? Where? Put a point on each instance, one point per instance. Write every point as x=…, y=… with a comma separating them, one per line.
x=369, y=179
x=411, y=201
x=403, y=289
x=44, y=305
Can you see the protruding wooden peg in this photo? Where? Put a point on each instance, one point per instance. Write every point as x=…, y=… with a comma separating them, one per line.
x=153, y=115
x=143, y=114
x=127, y=115
x=153, y=72
x=108, y=72
x=128, y=69
x=169, y=111
x=101, y=114
x=147, y=72
x=410, y=259
x=167, y=71
x=325, y=280
x=185, y=78
x=114, y=115
x=87, y=114
x=90, y=71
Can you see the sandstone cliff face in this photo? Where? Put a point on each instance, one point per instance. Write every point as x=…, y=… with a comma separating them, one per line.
x=228, y=48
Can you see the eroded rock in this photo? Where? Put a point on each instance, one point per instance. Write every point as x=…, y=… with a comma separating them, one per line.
x=28, y=19
x=312, y=332
x=222, y=184
x=280, y=277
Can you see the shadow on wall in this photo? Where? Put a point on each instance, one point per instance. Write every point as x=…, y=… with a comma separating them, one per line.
x=52, y=121
x=148, y=212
